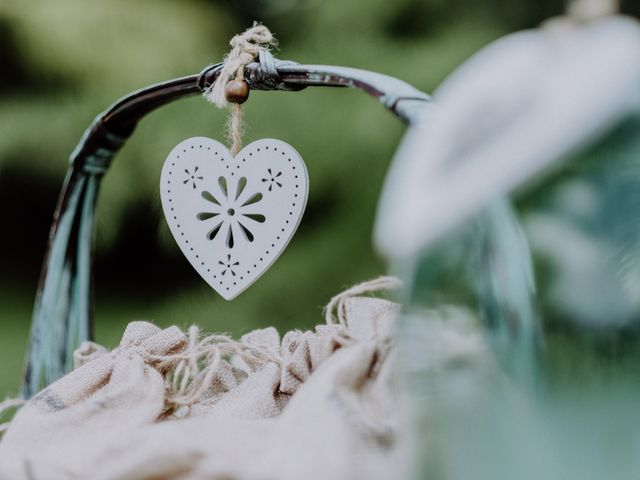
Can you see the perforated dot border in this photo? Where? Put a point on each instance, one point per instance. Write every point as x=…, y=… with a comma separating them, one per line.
x=242, y=154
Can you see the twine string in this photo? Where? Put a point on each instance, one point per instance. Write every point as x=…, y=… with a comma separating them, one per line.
x=235, y=128
x=5, y=406
x=193, y=370
x=337, y=306
x=245, y=48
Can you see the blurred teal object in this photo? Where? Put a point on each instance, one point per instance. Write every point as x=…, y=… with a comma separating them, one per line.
x=521, y=332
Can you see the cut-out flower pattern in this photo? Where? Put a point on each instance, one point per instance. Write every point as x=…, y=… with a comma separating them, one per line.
x=272, y=179
x=233, y=213
x=192, y=177
x=228, y=265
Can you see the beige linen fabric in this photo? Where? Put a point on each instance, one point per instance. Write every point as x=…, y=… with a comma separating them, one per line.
x=313, y=405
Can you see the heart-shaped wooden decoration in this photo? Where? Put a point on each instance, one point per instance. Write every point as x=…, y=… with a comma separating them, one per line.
x=233, y=217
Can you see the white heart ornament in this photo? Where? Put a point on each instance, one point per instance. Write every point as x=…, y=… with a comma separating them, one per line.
x=233, y=217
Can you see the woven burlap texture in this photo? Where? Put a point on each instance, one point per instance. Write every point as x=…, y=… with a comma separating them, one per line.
x=314, y=405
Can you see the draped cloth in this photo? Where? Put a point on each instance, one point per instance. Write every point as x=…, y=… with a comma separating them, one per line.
x=164, y=404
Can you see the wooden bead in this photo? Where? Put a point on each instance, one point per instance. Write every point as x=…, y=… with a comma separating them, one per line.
x=236, y=91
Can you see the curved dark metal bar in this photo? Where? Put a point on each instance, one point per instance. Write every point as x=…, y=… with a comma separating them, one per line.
x=397, y=96
x=63, y=307
x=111, y=128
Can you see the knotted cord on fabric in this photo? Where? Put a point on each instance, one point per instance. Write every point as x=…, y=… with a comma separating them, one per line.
x=7, y=405
x=337, y=305
x=193, y=370
x=245, y=48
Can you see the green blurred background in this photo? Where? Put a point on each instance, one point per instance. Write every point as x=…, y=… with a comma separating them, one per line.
x=64, y=61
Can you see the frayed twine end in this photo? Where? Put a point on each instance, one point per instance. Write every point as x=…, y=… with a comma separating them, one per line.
x=245, y=48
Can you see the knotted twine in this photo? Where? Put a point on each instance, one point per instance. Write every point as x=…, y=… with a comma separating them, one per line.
x=194, y=368
x=245, y=48
x=337, y=305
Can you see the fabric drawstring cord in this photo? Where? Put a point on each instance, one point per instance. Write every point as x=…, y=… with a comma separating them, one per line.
x=194, y=369
x=245, y=48
x=337, y=305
